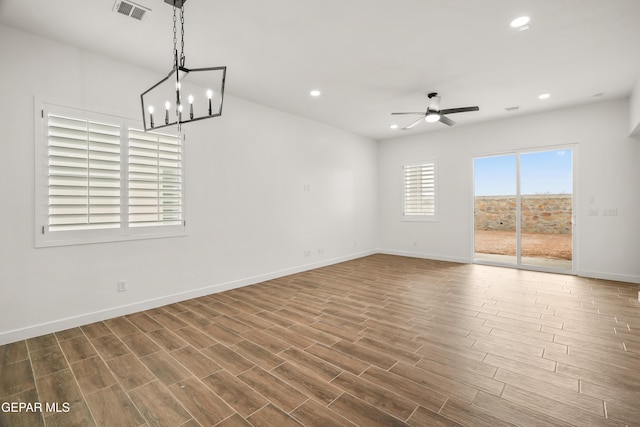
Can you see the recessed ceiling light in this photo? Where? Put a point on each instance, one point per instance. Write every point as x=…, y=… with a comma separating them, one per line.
x=544, y=96
x=521, y=22
x=394, y=126
x=315, y=92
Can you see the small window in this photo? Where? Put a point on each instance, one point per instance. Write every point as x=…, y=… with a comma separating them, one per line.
x=99, y=179
x=155, y=179
x=419, y=191
x=83, y=174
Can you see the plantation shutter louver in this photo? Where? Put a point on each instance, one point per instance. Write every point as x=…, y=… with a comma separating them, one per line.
x=155, y=179
x=419, y=190
x=83, y=174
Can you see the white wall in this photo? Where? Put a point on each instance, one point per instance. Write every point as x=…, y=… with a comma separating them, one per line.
x=634, y=108
x=607, y=174
x=248, y=216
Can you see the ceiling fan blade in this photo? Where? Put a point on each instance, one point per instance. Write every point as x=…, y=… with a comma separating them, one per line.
x=446, y=120
x=422, y=112
x=434, y=104
x=459, y=110
x=421, y=119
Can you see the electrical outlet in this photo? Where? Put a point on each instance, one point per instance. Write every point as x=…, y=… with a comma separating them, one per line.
x=610, y=212
x=307, y=253
x=122, y=285
x=594, y=212
x=320, y=251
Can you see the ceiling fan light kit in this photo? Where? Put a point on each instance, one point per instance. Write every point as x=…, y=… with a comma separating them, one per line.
x=435, y=114
x=201, y=88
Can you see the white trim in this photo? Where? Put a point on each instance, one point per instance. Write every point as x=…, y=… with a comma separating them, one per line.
x=424, y=217
x=96, y=316
x=574, y=231
x=609, y=276
x=43, y=238
x=421, y=255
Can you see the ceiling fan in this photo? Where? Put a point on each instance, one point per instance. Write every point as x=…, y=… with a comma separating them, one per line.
x=435, y=114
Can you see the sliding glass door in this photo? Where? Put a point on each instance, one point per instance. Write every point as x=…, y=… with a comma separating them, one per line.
x=523, y=213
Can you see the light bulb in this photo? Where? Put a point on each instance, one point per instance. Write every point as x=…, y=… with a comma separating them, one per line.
x=167, y=105
x=432, y=118
x=520, y=22
x=209, y=95
x=150, y=109
x=180, y=108
x=190, y=99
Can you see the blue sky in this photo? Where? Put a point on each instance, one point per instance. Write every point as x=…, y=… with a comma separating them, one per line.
x=540, y=173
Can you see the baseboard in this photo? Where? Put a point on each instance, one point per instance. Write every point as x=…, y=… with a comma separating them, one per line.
x=581, y=273
x=609, y=276
x=425, y=256
x=97, y=316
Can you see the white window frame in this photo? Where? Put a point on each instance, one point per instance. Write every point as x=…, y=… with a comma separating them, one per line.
x=420, y=217
x=44, y=237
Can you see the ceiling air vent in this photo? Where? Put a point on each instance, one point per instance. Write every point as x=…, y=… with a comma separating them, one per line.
x=131, y=9
x=512, y=109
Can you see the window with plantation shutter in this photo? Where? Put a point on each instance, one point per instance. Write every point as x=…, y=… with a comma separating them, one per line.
x=419, y=191
x=84, y=174
x=100, y=179
x=155, y=179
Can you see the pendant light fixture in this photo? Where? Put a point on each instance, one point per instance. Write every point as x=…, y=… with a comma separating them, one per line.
x=202, y=89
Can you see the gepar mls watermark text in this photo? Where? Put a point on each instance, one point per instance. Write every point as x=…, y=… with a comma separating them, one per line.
x=19, y=407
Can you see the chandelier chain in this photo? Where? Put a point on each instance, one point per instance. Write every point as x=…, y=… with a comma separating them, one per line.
x=175, y=38
x=182, y=58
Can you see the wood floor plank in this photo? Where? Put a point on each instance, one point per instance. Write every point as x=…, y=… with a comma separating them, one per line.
x=196, y=362
x=321, y=368
x=375, y=395
x=466, y=414
x=270, y=416
x=16, y=378
x=60, y=387
x=204, y=405
x=279, y=392
x=13, y=352
x=78, y=348
x=112, y=407
x=307, y=382
x=258, y=355
x=553, y=408
x=130, y=372
x=139, y=344
x=109, y=346
x=551, y=389
x=423, y=396
x=227, y=358
x=312, y=414
x=424, y=417
x=158, y=406
x=361, y=413
x=237, y=394
x=92, y=375
x=337, y=358
x=165, y=368
x=435, y=382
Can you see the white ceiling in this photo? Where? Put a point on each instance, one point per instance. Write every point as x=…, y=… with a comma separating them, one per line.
x=371, y=57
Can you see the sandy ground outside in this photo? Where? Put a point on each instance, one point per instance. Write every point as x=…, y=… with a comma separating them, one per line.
x=548, y=246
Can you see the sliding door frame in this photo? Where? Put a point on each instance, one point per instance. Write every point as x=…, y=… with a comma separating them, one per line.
x=574, y=226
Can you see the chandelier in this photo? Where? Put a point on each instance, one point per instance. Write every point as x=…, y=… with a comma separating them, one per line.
x=201, y=88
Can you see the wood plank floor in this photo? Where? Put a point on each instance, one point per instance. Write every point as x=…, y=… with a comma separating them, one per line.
x=378, y=341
